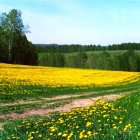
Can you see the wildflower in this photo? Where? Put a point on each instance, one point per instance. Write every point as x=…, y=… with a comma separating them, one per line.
x=40, y=135
x=114, y=127
x=85, y=136
x=52, y=129
x=95, y=133
x=81, y=136
x=59, y=134
x=64, y=135
x=88, y=124
x=105, y=115
x=99, y=121
x=77, y=126
x=89, y=133
x=70, y=135
x=30, y=138
x=120, y=122
x=127, y=127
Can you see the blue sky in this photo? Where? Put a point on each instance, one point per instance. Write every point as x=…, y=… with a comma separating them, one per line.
x=79, y=21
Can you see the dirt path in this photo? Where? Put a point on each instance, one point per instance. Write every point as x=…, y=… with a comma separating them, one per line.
x=20, y=102
x=33, y=100
x=67, y=107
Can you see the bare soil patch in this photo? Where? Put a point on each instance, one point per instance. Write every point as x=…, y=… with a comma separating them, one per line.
x=67, y=107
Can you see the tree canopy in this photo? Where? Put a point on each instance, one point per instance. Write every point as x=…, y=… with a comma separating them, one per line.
x=13, y=41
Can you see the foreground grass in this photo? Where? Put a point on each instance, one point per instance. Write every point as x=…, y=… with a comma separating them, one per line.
x=106, y=120
x=38, y=92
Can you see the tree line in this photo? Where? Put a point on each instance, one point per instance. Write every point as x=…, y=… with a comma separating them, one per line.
x=54, y=48
x=14, y=45
x=126, y=61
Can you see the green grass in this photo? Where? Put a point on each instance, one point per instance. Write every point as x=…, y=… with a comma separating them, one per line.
x=36, y=97
x=25, y=92
x=114, y=120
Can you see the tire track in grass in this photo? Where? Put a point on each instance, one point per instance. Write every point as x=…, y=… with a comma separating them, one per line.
x=21, y=107
x=34, y=100
x=66, y=107
x=60, y=103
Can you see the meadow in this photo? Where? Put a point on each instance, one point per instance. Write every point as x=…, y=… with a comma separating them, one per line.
x=117, y=119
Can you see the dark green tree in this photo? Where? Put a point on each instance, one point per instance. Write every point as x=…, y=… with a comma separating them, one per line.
x=60, y=60
x=12, y=23
x=82, y=59
x=92, y=61
x=71, y=61
x=3, y=46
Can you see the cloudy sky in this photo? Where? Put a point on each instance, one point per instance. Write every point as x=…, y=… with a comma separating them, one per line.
x=79, y=21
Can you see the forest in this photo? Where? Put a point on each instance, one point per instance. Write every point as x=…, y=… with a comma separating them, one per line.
x=122, y=57
x=14, y=45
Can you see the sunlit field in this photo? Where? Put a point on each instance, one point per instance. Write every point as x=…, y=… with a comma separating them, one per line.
x=13, y=75
x=102, y=120
x=18, y=81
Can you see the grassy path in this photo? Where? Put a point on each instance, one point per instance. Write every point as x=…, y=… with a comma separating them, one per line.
x=114, y=120
x=61, y=103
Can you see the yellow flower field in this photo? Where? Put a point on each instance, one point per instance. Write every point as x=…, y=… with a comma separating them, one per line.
x=56, y=77
x=117, y=119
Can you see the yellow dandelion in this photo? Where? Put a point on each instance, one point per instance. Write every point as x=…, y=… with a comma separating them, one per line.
x=88, y=124
x=64, y=135
x=59, y=134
